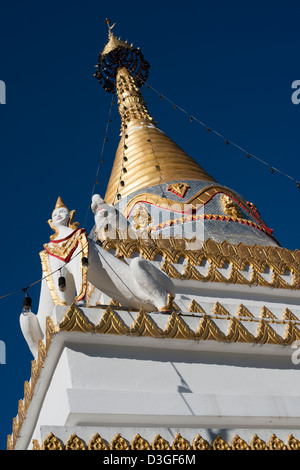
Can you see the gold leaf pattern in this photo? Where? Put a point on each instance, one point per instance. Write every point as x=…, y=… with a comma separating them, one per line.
x=145, y=326
x=52, y=443
x=75, y=443
x=275, y=443
x=220, y=310
x=289, y=316
x=265, y=313
x=111, y=323
x=292, y=443
x=180, y=443
x=239, y=444
x=257, y=443
x=177, y=328
x=278, y=260
x=75, y=320
x=139, y=443
x=219, y=444
x=159, y=443
x=35, y=445
x=200, y=444
x=243, y=312
x=118, y=443
x=97, y=443
x=195, y=307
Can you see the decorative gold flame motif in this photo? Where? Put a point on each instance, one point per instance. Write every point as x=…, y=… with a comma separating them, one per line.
x=230, y=207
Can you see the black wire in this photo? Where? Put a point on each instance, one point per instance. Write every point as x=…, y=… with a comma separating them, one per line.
x=227, y=141
x=24, y=289
x=101, y=157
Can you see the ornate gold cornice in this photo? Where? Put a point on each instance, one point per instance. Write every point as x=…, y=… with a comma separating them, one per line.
x=177, y=325
x=51, y=442
x=246, y=264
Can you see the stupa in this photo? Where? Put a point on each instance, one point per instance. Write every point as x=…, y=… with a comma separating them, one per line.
x=185, y=338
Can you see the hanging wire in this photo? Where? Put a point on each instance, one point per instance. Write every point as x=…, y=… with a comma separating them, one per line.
x=25, y=289
x=101, y=161
x=95, y=182
x=227, y=141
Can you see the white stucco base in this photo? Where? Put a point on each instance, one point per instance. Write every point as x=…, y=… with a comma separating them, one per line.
x=108, y=384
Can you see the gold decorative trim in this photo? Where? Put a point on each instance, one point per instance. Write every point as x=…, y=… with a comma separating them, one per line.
x=230, y=207
x=179, y=189
x=97, y=443
x=177, y=326
x=29, y=386
x=139, y=443
x=247, y=264
x=81, y=239
x=159, y=443
x=180, y=443
x=198, y=199
x=47, y=274
x=192, y=218
x=195, y=307
x=74, y=443
x=51, y=442
x=118, y=443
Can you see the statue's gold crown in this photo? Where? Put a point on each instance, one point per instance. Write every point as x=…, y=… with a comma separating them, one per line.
x=59, y=203
x=71, y=224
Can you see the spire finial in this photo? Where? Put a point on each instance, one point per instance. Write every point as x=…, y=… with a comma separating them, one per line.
x=117, y=54
x=110, y=28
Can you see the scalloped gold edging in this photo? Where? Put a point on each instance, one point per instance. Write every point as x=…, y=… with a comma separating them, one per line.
x=29, y=386
x=51, y=442
x=261, y=259
x=177, y=328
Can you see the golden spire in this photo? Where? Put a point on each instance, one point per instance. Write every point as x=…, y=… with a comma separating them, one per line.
x=145, y=156
x=113, y=42
x=131, y=103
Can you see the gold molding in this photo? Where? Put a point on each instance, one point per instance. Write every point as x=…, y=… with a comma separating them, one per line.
x=97, y=443
x=177, y=326
x=29, y=386
x=199, y=199
x=51, y=442
x=75, y=443
x=241, y=258
x=49, y=279
x=82, y=240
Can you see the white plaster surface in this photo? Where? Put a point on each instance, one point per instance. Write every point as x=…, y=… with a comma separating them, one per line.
x=116, y=383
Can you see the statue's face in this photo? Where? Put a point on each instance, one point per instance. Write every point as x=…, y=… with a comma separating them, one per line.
x=60, y=216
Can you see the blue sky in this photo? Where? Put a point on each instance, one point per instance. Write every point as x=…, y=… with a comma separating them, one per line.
x=230, y=64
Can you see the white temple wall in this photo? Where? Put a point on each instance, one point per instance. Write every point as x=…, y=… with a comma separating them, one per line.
x=135, y=383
